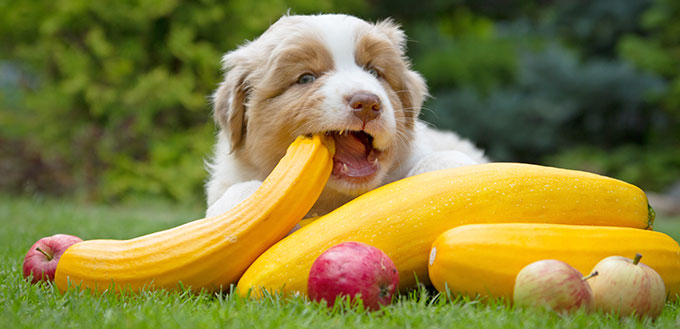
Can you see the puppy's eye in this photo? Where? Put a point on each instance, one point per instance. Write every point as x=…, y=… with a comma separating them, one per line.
x=374, y=72
x=306, y=78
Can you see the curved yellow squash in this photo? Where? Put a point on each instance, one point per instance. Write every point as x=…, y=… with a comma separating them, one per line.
x=209, y=253
x=403, y=218
x=484, y=259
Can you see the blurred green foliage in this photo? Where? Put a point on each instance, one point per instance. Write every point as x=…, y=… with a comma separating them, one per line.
x=110, y=99
x=579, y=84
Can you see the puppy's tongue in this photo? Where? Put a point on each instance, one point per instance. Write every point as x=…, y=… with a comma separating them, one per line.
x=354, y=155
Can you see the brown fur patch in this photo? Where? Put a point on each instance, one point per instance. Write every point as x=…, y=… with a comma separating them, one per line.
x=305, y=55
x=290, y=113
x=278, y=101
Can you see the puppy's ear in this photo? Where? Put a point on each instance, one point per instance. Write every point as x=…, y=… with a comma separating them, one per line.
x=411, y=80
x=230, y=102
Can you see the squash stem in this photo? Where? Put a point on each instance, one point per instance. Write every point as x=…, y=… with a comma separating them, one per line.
x=651, y=214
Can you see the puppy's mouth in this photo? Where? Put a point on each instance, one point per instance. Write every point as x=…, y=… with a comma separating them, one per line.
x=355, y=157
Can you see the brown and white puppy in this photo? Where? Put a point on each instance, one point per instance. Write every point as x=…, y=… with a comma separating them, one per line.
x=325, y=73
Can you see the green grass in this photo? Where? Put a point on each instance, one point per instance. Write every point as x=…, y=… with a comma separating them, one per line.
x=23, y=305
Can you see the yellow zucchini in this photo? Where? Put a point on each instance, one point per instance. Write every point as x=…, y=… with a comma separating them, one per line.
x=484, y=259
x=209, y=253
x=403, y=218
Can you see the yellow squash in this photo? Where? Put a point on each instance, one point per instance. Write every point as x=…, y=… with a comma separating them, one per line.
x=209, y=253
x=484, y=259
x=403, y=218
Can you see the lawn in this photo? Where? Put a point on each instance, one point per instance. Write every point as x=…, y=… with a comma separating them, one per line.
x=25, y=220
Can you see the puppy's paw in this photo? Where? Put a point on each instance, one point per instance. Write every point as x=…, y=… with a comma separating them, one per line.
x=232, y=196
x=441, y=160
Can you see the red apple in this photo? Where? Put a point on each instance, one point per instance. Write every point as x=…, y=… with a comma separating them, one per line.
x=352, y=269
x=627, y=286
x=41, y=260
x=553, y=284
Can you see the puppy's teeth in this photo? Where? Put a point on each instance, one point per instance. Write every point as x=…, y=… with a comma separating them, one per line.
x=344, y=167
x=375, y=162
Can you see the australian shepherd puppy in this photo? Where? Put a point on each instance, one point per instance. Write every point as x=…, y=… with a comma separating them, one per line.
x=335, y=74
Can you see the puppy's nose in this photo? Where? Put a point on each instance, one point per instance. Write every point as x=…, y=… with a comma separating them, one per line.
x=365, y=106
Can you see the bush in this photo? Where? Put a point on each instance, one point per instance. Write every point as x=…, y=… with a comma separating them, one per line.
x=535, y=86
x=555, y=103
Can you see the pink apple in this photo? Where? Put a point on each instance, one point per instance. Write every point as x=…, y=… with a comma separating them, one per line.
x=627, y=286
x=553, y=284
x=41, y=260
x=351, y=269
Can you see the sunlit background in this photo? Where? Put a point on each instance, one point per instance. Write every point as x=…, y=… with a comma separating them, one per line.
x=107, y=101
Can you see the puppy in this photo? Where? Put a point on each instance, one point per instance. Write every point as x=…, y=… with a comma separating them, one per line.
x=335, y=74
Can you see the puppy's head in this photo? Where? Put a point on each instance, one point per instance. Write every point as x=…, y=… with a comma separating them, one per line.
x=335, y=74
